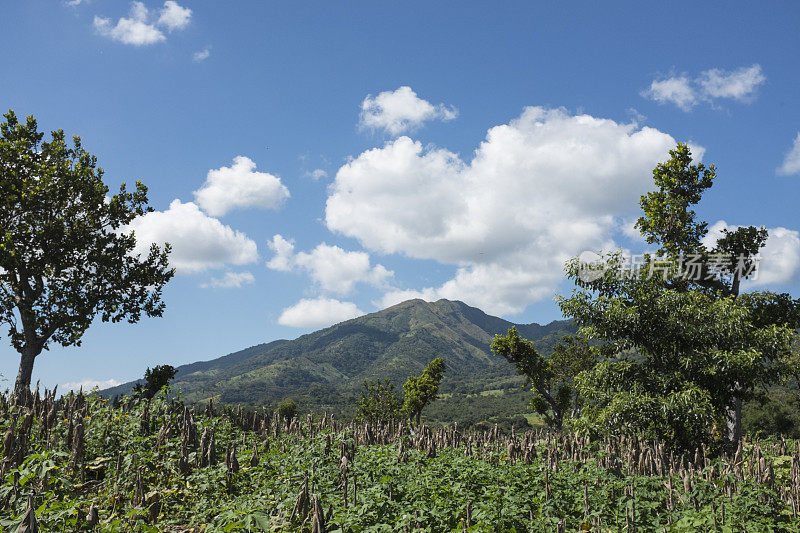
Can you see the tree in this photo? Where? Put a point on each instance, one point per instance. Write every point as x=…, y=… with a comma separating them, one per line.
x=287, y=409
x=683, y=350
x=65, y=255
x=668, y=220
x=155, y=379
x=379, y=402
x=680, y=359
x=551, y=379
x=419, y=391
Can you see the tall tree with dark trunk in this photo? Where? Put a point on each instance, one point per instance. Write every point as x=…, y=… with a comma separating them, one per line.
x=670, y=222
x=685, y=346
x=65, y=255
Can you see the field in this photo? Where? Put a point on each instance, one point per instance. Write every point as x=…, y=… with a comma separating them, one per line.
x=82, y=464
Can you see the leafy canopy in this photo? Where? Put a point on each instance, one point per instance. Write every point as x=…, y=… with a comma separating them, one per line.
x=155, y=379
x=668, y=220
x=550, y=378
x=681, y=352
x=419, y=391
x=287, y=409
x=679, y=358
x=379, y=402
x=65, y=254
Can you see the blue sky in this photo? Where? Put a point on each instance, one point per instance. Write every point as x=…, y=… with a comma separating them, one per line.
x=312, y=161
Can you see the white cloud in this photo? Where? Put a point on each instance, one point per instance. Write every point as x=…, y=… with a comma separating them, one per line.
x=283, y=259
x=134, y=30
x=630, y=231
x=202, y=55
x=337, y=270
x=75, y=3
x=698, y=152
x=199, y=242
x=138, y=29
x=712, y=84
x=174, y=17
x=538, y=190
x=676, y=89
x=401, y=110
x=780, y=256
x=396, y=296
x=739, y=84
x=318, y=313
x=240, y=185
x=317, y=174
x=791, y=163
x=495, y=288
x=330, y=267
x=88, y=384
x=231, y=280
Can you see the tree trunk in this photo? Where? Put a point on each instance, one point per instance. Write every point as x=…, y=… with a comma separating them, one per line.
x=734, y=417
x=22, y=387
x=734, y=414
x=558, y=414
x=735, y=286
x=558, y=419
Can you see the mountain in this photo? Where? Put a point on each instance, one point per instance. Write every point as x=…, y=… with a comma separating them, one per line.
x=326, y=369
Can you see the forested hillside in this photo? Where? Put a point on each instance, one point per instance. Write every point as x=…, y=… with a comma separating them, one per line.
x=326, y=369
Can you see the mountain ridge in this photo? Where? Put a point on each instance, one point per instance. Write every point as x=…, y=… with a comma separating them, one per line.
x=326, y=368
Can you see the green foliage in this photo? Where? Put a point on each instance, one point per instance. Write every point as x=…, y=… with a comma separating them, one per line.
x=790, y=366
x=623, y=397
x=326, y=369
x=681, y=353
x=671, y=349
x=740, y=246
x=668, y=220
x=769, y=308
x=65, y=257
x=122, y=465
x=538, y=372
x=571, y=356
x=773, y=412
x=287, y=409
x=419, y=391
x=552, y=379
x=379, y=402
x=155, y=379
